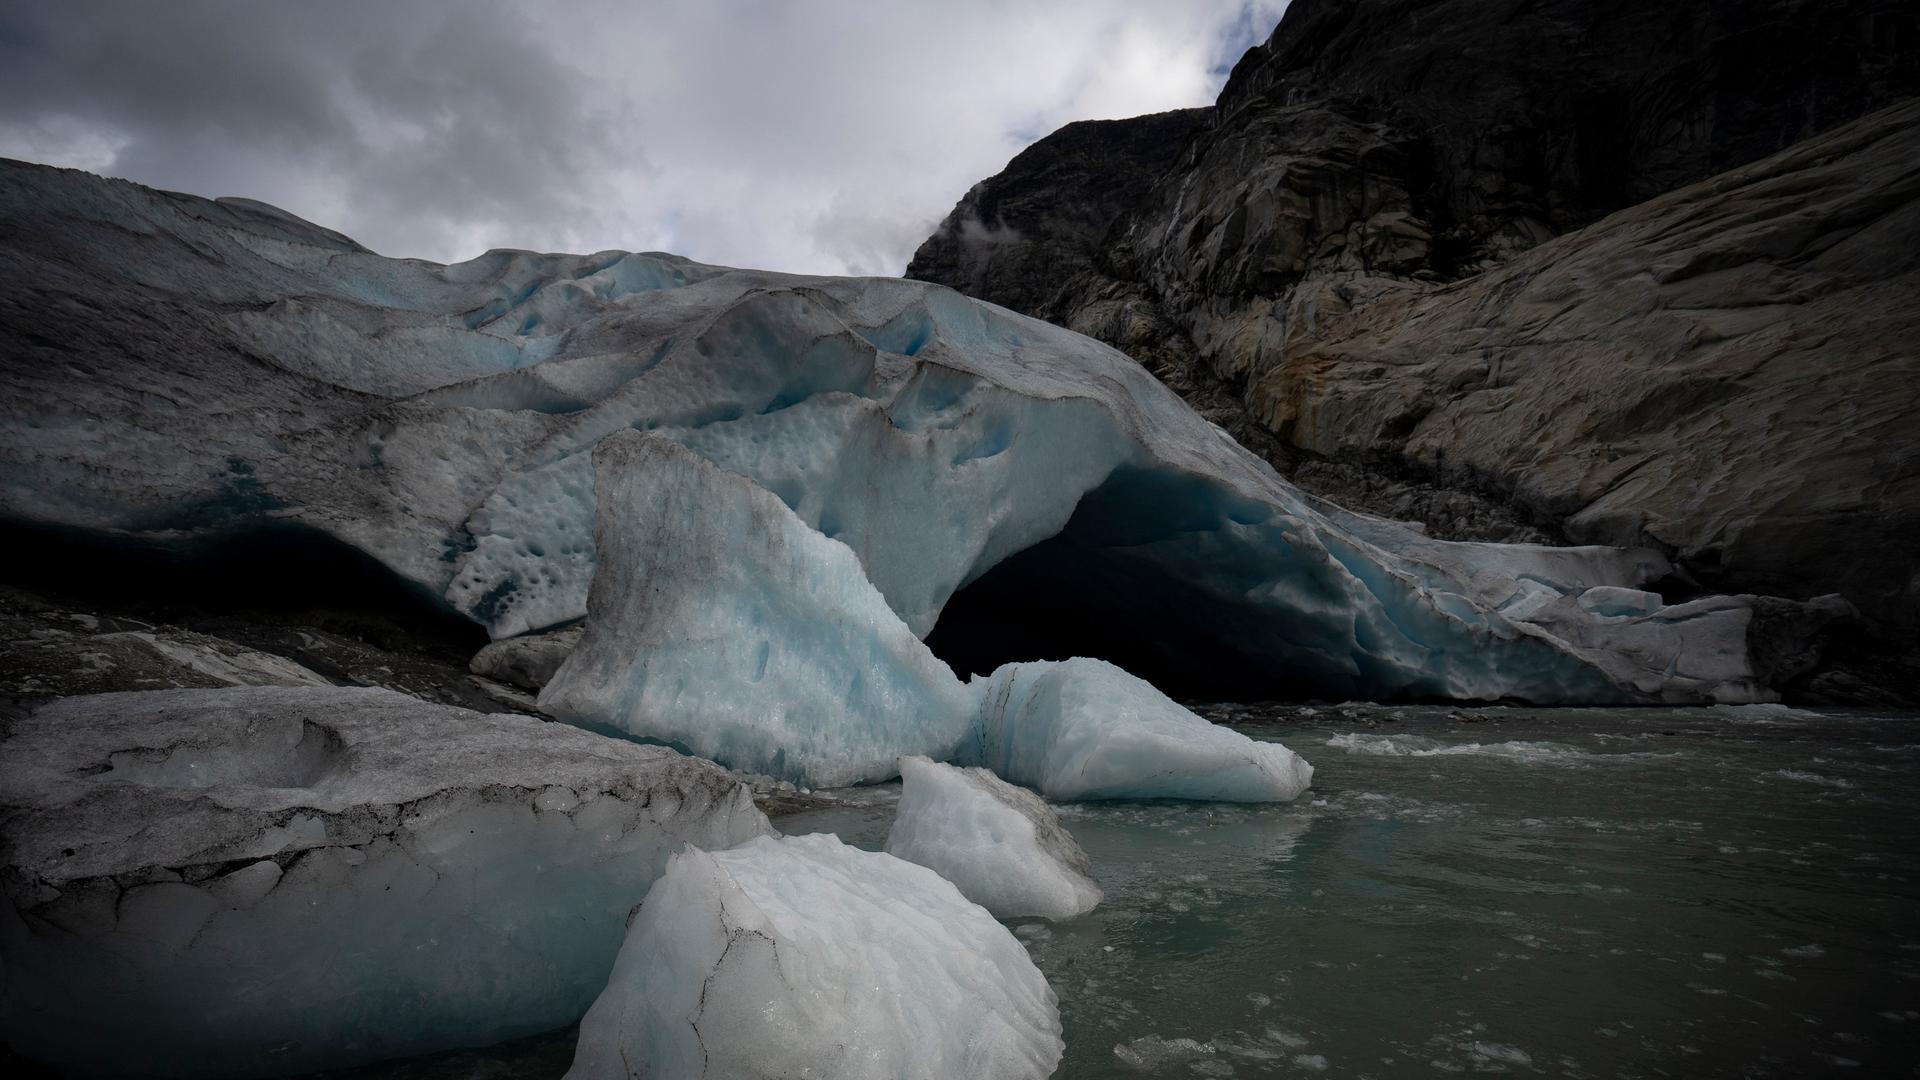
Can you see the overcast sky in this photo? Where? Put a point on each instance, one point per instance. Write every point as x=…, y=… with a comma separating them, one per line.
x=811, y=135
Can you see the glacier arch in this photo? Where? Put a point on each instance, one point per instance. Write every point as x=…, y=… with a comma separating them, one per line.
x=441, y=419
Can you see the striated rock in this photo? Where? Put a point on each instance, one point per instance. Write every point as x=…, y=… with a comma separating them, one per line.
x=266, y=880
x=1374, y=151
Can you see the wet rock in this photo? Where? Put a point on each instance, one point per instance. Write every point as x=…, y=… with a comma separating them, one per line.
x=527, y=661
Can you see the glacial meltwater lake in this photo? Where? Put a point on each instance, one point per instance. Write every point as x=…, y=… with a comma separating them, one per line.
x=1559, y=892
x=1568, y=892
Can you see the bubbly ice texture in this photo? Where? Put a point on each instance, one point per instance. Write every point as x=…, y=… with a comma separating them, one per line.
x=254, y=881
x=801, y=956
x=1085, y=729
x=1002, y=846
x=722, y=624
x=442, y=420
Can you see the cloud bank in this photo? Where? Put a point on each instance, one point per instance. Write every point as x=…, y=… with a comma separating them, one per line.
x=823, y=136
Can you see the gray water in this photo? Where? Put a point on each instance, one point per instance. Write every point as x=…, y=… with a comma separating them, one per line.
x=1581, y=893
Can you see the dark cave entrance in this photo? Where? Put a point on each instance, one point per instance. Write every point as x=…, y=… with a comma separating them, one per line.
x=1092, y=591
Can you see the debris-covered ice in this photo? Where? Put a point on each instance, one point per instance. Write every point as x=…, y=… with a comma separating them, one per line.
x=1001, y=845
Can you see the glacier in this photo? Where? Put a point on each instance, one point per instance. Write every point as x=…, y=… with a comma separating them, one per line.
x=720, y=623
x=442, y=420
x=812, y=958
x=270, y=880
x=1000, y=845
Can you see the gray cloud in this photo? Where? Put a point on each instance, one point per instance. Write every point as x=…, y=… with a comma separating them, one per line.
x=827, y=135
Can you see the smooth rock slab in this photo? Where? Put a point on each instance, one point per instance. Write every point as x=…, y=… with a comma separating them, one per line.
x=1002, y=846
x=803, y=957
x=275, y=880
x=527, y=661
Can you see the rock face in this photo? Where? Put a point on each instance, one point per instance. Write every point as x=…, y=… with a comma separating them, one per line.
x=1020, y=236
x=1730, y=372
x=1369, y=165
x=267, y=880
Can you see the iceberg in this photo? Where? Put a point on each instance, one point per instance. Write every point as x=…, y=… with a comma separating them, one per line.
x=268, y=880
x=801, y=956
x=1002, y=846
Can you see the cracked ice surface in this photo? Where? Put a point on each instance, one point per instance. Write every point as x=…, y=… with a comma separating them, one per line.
x=801, y=956
x=442, y=419
x=243, y=881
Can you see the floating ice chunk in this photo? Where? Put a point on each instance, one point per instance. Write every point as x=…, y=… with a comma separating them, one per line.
x=1085, y=729
x=1001, y=845
x=721, y=623
x=275, y=880
x=801, y=956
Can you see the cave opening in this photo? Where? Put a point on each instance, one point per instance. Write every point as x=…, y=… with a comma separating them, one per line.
x=1097, y=590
